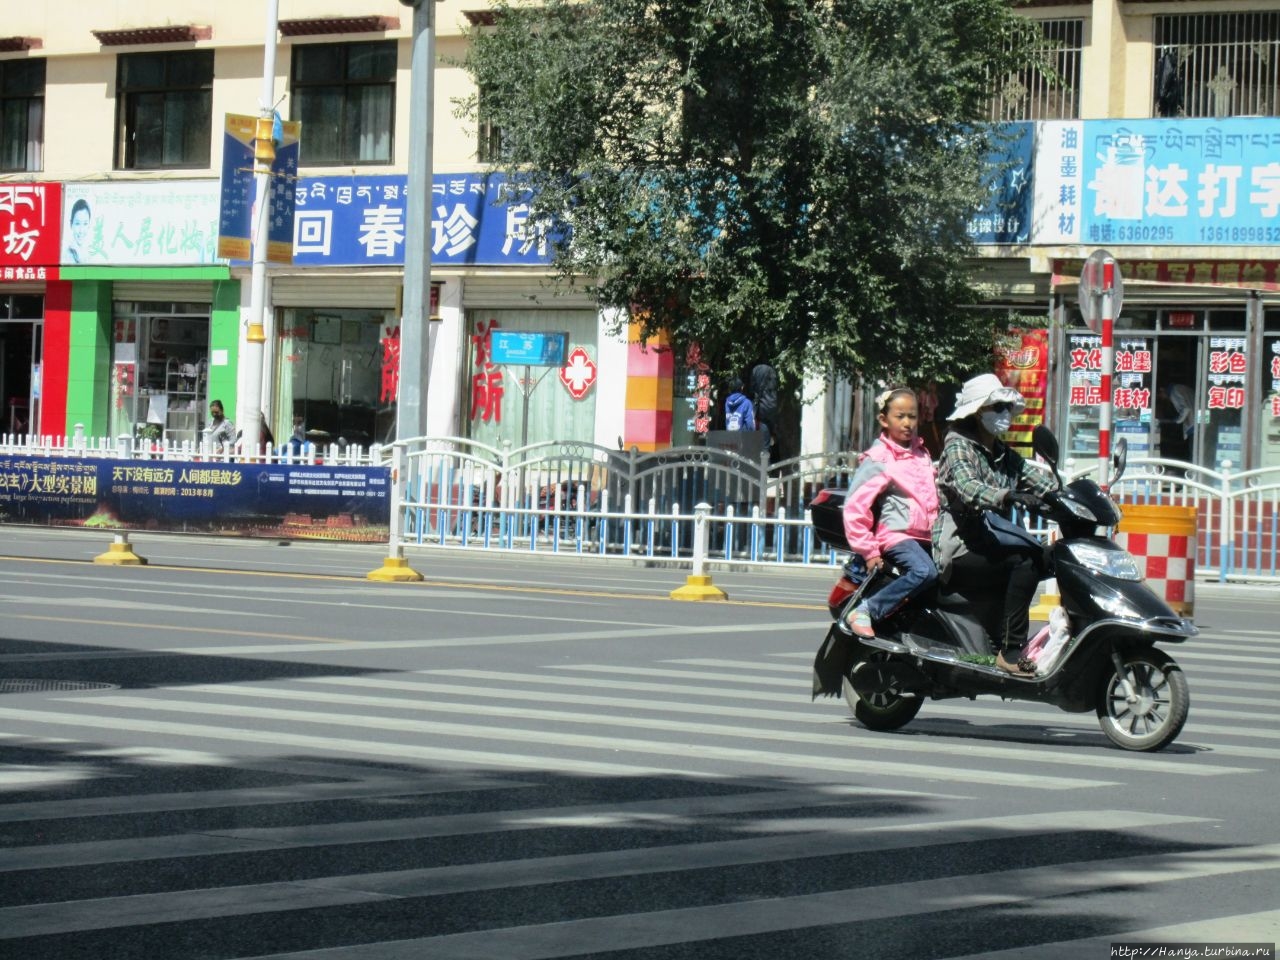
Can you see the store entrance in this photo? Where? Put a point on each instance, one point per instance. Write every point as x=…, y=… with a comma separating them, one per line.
x=1200, y=388
x=21, y=336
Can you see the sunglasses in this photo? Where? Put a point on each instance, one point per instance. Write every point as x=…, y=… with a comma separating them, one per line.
x=1002, y=407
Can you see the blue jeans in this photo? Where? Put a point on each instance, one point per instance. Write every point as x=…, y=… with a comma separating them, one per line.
x=917, y=573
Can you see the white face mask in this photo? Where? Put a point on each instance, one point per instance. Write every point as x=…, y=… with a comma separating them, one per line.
x=996, y=423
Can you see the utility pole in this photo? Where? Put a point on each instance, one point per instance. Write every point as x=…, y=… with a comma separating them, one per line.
x=415, y=341
x=249, y=411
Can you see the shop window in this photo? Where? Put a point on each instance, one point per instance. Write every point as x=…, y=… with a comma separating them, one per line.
x=164, y=107
x=1226, y=320
x=159, y=373
x=336, y=374
x=494, y=404
x=344, y=94
x=1033, y=93
x=1217, y=65
x=21, y=115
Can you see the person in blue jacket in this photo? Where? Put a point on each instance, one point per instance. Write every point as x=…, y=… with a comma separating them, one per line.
x=739, y=412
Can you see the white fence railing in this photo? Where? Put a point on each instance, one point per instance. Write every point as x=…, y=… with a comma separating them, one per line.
x=1237, y=512
x=577, y=498
x=137, y=448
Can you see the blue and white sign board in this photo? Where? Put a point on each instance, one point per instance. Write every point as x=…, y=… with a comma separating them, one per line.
x=361, y=220
x=1200, y=182
x=1006, y=216
x=529, y=349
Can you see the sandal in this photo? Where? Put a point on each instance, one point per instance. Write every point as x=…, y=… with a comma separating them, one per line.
x=858, y=623
x=1024, y=667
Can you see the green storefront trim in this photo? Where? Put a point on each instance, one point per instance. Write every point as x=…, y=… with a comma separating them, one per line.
x=145, y=273
x=89, y=364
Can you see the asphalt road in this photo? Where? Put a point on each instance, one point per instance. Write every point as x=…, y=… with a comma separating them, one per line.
x=249, y=750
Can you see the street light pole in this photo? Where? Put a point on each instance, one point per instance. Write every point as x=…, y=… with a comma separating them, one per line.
x=415, y=341
x=249, y=412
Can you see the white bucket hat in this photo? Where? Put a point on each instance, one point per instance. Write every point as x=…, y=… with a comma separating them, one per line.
x=982, y=391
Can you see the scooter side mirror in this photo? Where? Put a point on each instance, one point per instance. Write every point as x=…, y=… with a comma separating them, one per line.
x=1045, y=445
x=1119, y=459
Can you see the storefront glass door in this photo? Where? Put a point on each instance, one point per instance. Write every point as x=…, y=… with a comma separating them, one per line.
x=1201, y=375
x=160, y=370
x=21, y=346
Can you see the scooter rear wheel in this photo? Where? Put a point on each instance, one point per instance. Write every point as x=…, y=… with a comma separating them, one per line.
x=883, y=707
x=1157, y=714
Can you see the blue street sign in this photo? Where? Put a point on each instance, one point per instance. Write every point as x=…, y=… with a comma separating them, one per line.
x=528, y=348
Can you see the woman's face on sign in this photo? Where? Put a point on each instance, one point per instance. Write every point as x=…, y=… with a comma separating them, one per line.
x=80, y=227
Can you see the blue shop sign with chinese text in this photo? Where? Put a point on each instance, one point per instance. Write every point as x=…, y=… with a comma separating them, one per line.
x=1193, y=182
x=1006, y=216
x=361, y=221
x=296, y=501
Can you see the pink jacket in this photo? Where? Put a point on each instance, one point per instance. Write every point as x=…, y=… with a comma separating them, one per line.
x=904, y=484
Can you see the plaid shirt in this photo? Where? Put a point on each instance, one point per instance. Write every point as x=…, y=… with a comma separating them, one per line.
x=972, y=478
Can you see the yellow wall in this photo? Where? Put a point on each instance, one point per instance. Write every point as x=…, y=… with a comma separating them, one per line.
x=81, y=74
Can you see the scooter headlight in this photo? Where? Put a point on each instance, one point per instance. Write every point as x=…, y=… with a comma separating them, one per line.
x=1106, y=561
x=1116, y=606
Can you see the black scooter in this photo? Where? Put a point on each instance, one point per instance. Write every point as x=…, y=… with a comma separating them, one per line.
x=936, y=647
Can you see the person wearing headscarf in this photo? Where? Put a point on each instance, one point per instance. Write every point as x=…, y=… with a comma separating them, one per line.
x=978, y=472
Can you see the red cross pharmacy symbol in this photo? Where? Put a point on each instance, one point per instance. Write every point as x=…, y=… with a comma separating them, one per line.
x=578, y=373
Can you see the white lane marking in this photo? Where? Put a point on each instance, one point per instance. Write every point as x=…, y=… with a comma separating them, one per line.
x=613, y=745
x=1108, y=759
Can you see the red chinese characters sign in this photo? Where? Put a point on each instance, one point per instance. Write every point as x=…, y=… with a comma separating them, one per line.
x=390, y=366
x=1251, y=274
x=699, y=386
x=29, y=230
x=486, y=380
x=1132, y=390
x=1228, y=365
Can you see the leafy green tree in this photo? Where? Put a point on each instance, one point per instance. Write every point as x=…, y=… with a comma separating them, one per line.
x=780, y=179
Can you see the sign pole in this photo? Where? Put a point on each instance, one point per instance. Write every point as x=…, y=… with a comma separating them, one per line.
x=1108, y=372
x=249, y=412
x=415, y=339
x=525, y=391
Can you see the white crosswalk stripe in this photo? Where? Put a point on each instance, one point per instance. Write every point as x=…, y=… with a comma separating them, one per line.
x=466, y=813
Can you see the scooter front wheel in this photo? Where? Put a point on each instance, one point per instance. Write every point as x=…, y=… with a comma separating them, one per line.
x=882, y=705
x=1155, y=715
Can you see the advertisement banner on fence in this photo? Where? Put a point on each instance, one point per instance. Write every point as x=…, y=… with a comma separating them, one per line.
x=293, y=501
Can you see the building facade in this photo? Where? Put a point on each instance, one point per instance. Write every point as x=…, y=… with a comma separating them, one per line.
x=1154, y=138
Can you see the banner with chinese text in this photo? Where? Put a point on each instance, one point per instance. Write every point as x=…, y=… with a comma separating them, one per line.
x=294, y=501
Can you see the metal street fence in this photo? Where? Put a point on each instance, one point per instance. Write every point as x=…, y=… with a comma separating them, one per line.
x=567, y=497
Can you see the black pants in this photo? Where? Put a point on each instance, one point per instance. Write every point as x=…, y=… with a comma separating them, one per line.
x=1010, y=580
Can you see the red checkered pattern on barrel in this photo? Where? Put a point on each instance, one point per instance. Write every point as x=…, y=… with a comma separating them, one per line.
x=1168, y=562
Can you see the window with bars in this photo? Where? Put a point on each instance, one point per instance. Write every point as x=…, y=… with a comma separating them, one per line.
x=1217, y=65
x=1049, y=92
x=164, y=109
x=21, y=115
x=489, y=142
x=344, y=94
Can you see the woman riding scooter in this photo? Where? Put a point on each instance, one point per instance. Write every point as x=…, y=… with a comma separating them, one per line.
x=978, y=472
